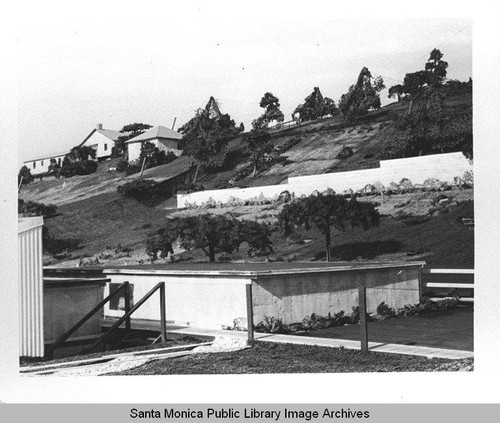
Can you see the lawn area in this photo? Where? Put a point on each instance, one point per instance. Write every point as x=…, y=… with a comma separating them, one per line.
x=452, y=329
x=267, y=357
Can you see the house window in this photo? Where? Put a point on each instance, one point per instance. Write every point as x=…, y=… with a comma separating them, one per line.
x=59, y=160
x=41, y=163
x=34, y=165
x=105, y=147
x=118, y=301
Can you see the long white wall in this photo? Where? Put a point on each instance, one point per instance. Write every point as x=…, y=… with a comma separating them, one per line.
x=199, y=301
x=42, y=165
x=444, y=167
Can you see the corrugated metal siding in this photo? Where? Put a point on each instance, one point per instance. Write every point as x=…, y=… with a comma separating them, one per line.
x=30, y=287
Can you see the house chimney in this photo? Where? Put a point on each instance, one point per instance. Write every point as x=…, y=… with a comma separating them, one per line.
x=98, y=126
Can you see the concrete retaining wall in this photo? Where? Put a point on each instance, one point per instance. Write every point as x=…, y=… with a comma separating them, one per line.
x=200, y=301
x=444, y=167
x=211, y=300
x=65, y=304
x=294, y=297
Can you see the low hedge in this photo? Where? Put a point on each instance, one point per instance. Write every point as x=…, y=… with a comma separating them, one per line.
x=315, y=322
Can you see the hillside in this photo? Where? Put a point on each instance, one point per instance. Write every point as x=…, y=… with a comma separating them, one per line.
x=110, y=228
x=320, y=142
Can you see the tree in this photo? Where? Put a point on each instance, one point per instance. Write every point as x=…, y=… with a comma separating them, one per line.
x=432, y=127
x=436, y=68
x=212, y=234
x=325, y=212
x=396, y=90
x=152, y=154
x=129, y=131
x=271, y=106
x=260, y=146
x=54, y=168
x=24, y=175
x=413, y=84
x=362, y=96
x=330, y=108
x=315, y=106
x=79, y=161
x=206, y=135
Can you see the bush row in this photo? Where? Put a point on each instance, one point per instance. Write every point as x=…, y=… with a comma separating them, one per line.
x=403, y=187
x=32, y=208
x=316, y=322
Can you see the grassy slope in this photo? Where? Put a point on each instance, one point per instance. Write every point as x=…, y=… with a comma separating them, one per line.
x=442, y=242
x=90, y=209
x=106, y=221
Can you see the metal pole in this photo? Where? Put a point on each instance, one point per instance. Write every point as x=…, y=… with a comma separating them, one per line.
x=173, y=124
x=163, y=322
x=127, y=306
x=362, y=319
x=249, y=314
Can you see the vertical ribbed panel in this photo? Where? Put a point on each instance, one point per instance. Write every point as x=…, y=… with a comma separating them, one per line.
x=30, y=287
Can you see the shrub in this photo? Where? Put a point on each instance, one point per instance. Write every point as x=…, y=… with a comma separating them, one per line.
x=85, y=167
x=159, y=244
x=132, y=168
x=137, y=188
x=53, y=245
x=122, y=166
x=25, y=175
x=32, y=208
x=280, y=149
x=315, y=322
x=345, y=153
x=189, y=188
x=385, y=311
x=468, y=178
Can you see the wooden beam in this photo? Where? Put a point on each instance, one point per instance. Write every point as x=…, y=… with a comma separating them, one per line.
x=362, y=319
x=249, y=314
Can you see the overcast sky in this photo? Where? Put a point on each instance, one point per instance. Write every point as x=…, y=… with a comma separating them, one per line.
x=150, y=66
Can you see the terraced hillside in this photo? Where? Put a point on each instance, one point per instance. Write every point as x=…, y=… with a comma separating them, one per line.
x=110, y=228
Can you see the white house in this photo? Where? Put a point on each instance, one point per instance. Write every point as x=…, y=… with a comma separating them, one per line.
x=161, y=137
x=101, y=140
x=41, y=164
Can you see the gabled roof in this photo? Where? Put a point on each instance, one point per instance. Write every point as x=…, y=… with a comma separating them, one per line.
x=110, y=133
x=47, y=156
x=154, y=133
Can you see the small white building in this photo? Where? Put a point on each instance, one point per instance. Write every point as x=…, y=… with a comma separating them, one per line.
x=101, y=140
x=163, y=138
x=41, y=164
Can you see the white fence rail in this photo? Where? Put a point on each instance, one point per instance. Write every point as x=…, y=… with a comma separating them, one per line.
x=449, y=279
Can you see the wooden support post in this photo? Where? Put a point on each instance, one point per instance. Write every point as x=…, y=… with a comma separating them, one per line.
x=142, y=167
x=420, y=284
x=126, y=291
x=362, y=319
x=163, y=321
x=249, y=314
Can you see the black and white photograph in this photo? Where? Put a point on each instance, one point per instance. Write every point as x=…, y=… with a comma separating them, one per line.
x=204, y=189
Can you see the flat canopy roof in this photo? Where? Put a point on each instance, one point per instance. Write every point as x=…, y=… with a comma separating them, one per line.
x=254, y=269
